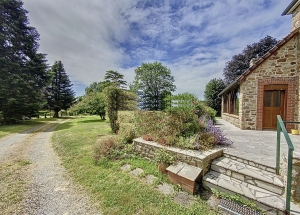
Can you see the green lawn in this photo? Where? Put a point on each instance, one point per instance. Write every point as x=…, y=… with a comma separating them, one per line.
x=117, y=192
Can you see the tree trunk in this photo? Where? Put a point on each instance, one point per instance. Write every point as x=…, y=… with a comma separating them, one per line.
x=55, y=114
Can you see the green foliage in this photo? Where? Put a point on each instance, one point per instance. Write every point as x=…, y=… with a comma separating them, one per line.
x=163, y=156
x=160, y=126
x=113, y=97
x=106, y=147
x=92, y=103
x=116, y=78
x=118, y=99
x=241, y=62
x=180, y=124
x=60, y=93
x=23, y=71
x=212, y=90
x=153, y=82
x=97, y=87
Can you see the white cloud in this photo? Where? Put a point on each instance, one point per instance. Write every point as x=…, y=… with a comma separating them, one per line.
x=194, y=40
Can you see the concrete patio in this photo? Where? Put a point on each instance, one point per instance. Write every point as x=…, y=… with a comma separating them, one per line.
x=258, y=146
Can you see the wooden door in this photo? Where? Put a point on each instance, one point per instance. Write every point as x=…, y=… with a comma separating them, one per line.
x=274, y=104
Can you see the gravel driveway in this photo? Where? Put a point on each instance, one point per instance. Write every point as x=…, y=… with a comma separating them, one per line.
x=33, y=179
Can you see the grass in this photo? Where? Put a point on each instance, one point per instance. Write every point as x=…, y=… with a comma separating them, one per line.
x=12, y=185
x=27, y=124
x=116, y=191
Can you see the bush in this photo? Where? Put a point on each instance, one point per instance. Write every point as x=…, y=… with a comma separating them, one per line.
x=126, y=133
x=105, y=148
x=160, y=126
x=163, y=156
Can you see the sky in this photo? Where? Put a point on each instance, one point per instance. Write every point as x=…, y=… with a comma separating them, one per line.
x=194, y=39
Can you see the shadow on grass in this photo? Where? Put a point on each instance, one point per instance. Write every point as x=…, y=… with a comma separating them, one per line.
x=63, y=126
x=92, y=121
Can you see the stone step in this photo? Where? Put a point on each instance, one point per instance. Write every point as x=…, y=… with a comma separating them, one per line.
x=250, y=162
x=247, y=173
x=266, y=200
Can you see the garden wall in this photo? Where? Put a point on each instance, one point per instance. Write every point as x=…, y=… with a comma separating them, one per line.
x=295, y=175
x=233, y=119
x=201, y=159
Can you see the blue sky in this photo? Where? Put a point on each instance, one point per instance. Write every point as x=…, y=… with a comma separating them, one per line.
x=192, y=38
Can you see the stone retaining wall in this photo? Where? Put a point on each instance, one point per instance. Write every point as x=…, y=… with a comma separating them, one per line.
x=233, y=119
x=201, y=159
x=295, y=191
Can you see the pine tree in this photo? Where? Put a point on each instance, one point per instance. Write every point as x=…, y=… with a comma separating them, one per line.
x=60, y=93
x=23, y=71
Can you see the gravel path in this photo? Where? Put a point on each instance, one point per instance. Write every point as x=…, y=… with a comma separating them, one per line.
x=47, y=187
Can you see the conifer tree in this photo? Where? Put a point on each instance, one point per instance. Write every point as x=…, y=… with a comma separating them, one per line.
x=60, y=93
x=23, y=71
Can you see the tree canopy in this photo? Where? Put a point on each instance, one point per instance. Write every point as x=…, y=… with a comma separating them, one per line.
x=153, y=82
x=212, y=90
x=241, y=62
x=115, y=77
x=23, y=71
x=106, y=95
x=60, y=93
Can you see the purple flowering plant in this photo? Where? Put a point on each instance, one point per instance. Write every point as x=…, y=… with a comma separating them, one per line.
x=219, y=136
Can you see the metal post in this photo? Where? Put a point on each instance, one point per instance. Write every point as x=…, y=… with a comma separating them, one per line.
x=278, y=146
x=289, y=181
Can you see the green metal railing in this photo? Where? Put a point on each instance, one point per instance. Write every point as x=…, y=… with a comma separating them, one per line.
x=281, y=127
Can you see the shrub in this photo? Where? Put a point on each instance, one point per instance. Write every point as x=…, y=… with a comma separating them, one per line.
x=163, y=156
x=111, y=148
x=105, y=148
x=126, y=134
x=160, y=126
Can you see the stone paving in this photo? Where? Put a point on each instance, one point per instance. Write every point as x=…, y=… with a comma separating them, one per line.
x=248, y=166
x=223, y=182
x=258, y=146
x=249, y=174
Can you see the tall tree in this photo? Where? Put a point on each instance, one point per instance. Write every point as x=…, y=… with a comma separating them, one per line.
x=116, y=78
x=97, y=86
x=241, y=62
x=23, y=71
x=61, y=94
x=212, y=90
x=153, y=82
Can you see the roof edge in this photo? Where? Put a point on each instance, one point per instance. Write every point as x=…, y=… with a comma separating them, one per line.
x=268, y=54
x=232, y=85
x=292, y=6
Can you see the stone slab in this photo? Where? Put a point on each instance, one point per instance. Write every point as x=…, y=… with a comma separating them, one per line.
x=175, y=168
x=261, y=178
x=190, y=172
x=249, y=191
x=184, y=175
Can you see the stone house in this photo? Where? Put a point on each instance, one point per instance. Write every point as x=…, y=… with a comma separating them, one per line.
x=270, y=86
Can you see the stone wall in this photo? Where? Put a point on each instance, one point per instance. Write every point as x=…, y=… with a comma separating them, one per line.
x=296, y=18
x=201, y=159
x=295, y=191
x=279, y=68
x=233, y=119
